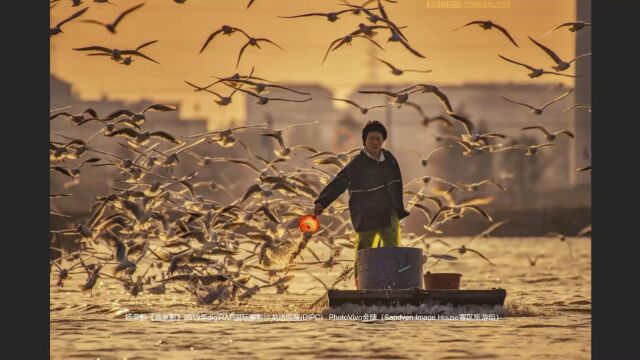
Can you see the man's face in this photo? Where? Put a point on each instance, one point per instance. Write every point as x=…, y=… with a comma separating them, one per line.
x=373, y=142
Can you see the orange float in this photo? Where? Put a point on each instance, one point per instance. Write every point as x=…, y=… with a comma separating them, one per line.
x=309, y=224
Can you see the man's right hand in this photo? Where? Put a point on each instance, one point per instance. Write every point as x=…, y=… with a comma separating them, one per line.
x=318, y=209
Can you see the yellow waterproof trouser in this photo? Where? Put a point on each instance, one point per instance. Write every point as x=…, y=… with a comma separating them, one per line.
x=384, y=237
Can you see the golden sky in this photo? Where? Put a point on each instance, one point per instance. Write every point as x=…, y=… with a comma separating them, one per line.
x=467, y=55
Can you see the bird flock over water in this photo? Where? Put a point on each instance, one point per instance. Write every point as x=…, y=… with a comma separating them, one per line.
x=169, y=233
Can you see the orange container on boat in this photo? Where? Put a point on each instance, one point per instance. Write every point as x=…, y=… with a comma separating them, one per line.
x=442, y=281
x=309, y=224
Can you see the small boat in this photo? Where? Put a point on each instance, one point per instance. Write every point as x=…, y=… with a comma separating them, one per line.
x=416, y=297
x=393, y=276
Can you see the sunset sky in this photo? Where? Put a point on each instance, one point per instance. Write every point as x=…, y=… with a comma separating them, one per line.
x=467, y=55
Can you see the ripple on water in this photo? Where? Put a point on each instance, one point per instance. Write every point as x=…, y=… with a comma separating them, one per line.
x=581, y=302
x=544, y=279
x=577, y=310
x=519, y=309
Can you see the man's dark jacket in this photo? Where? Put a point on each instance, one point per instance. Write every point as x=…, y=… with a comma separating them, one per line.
x=369, y=209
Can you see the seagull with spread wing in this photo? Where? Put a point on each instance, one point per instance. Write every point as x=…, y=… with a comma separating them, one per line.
x=255, y=42
x=538, y=110
x=561, y=65
x=58, y=28
x=487, y=25
x=363, y=110
x=331, y=16
x=225, y=30
x=111, y=27
x=537, y=72
x=573, y=26
x=397, y=72
x=117, y=54
x=549, y=135
x=347, y=40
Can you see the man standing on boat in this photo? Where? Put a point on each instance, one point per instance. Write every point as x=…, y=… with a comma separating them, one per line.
x=374, y=181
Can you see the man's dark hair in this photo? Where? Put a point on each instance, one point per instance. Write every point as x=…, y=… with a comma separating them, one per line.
x=376, y=126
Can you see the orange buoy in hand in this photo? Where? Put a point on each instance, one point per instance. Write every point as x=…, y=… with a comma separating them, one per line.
x=309, y=224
